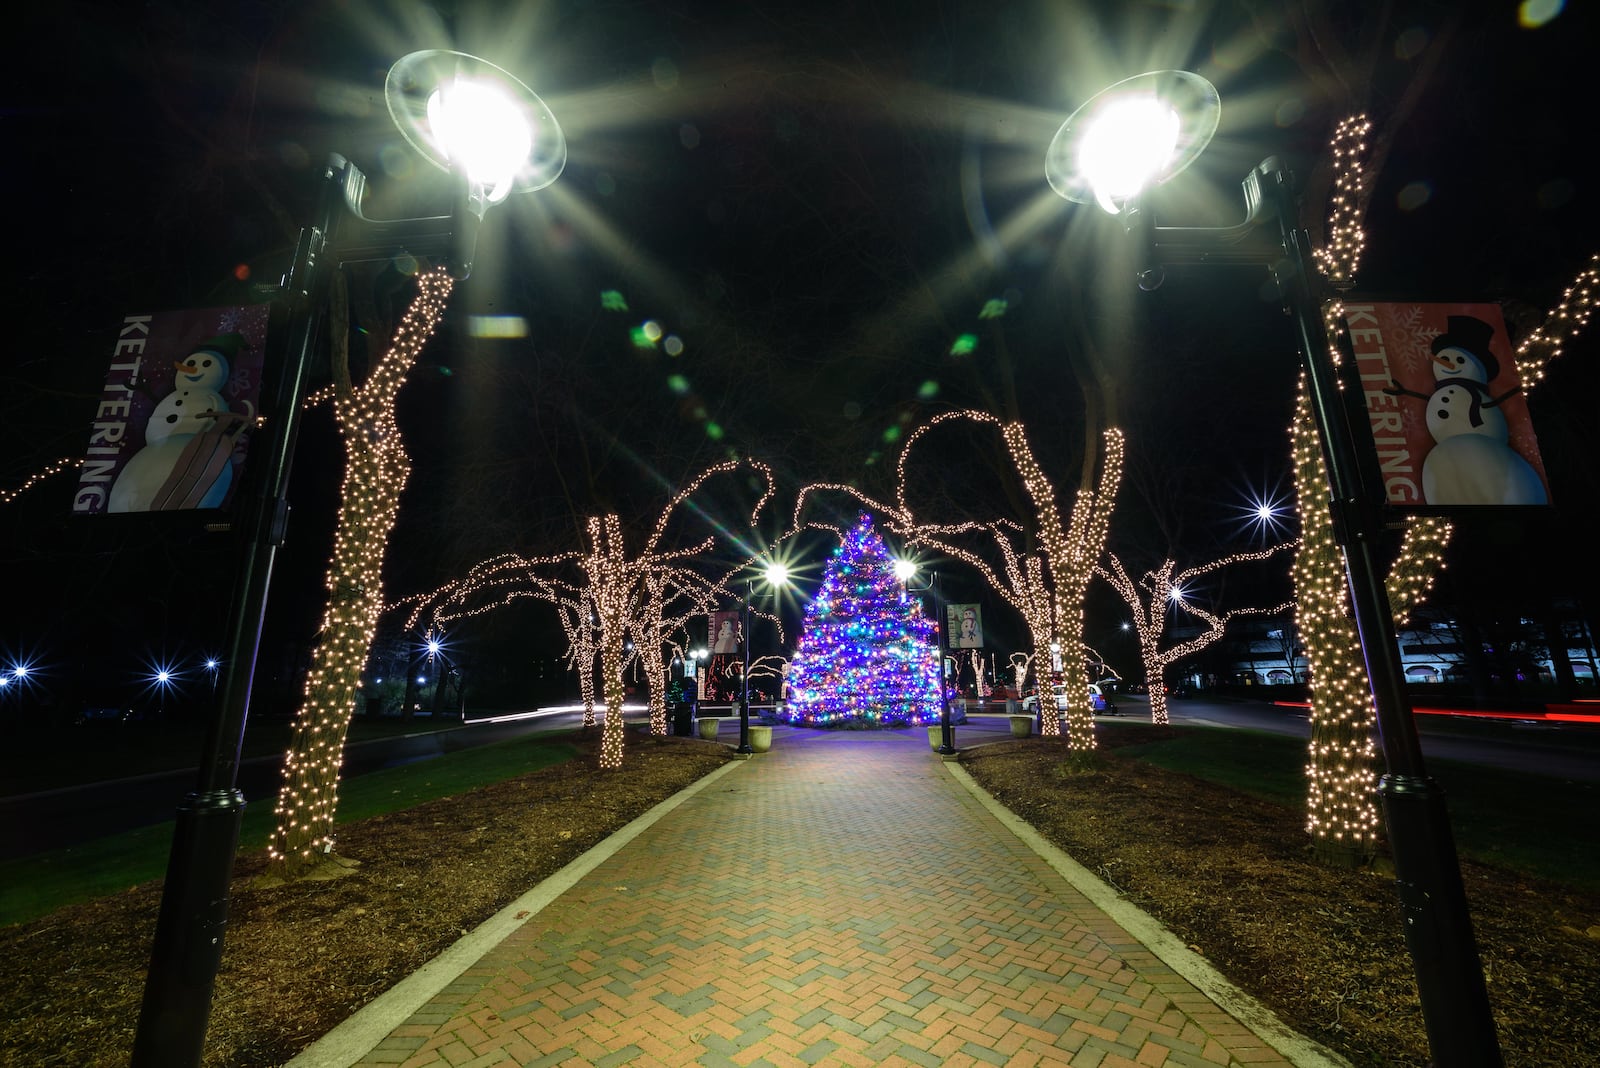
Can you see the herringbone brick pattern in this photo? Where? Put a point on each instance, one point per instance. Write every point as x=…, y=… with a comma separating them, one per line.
x=839, y=900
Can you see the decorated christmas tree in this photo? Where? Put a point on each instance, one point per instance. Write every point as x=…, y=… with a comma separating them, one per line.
x=868, y=652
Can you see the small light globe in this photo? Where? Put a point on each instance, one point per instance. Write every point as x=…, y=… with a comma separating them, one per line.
x=777, y=574
x=904, y=570
x=1138, y=133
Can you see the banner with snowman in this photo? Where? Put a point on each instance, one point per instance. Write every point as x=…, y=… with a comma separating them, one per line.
x=170, y=428
x=1446, y=406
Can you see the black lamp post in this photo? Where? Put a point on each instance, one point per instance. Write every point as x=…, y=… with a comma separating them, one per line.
x=1183, y=109
x=905, y=571
x=434, y=97
x=777, y=576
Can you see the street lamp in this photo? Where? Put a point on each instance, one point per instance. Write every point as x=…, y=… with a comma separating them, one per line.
x=1184, y=109
x=905, y=571
x=777, y=577
x=495, y=137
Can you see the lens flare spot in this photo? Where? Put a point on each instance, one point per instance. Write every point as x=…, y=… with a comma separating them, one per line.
x=928, y=390
x=852, y=410
x=891, y=435
x=964, y=345
x=604, y=184
x=993, y=309
x=714, y=431
x=673, y=345
x=1556, y=193
x=395, y=161
x=1413, y=196
x=1535, y=13
x=640, y=339
x=1410, y=43
x=612, y=300
x=1289, y=113
x=678, y=384
x=497, y=326
x=689, y=135
x=294, y=155
x=241, y=271
x=652, y=330
x=664, y=73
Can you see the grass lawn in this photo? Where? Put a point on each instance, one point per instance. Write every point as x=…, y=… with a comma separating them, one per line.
x=1528, y=823
x=33, y=886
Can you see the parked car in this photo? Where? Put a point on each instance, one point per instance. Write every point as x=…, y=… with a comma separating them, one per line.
x=1097, y=700
x=108, y=714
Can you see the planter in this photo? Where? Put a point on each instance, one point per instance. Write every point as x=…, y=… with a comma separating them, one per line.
x=760, y=738
x=936, y=735
x=1021, y=726
x=708, y=728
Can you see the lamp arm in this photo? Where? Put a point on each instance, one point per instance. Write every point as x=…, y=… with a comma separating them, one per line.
x=359, y=239
x=1242, y=244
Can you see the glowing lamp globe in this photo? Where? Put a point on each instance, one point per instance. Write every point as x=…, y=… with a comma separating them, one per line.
x=468, y=116
x=1138, y=133
x=777, y=575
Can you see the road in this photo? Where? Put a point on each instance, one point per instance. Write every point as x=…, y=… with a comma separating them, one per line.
x=1564, y=751
x=50, y=820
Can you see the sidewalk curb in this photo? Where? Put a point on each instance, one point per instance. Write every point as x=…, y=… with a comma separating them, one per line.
x=353, y=1039
x=1168, y=947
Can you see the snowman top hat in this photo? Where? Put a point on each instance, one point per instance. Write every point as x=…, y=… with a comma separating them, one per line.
x=1471, y=335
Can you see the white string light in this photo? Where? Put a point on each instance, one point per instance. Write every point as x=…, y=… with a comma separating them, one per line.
x=376, y=469
x=1161, y=585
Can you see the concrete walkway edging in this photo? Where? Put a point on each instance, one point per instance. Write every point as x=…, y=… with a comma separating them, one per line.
x=1168, y=947
x=356, y=1036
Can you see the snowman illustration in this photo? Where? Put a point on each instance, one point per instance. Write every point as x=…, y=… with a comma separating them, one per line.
x=186, y=461
x=1471, y=461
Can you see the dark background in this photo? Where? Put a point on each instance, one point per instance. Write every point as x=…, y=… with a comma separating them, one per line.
x=818, y=199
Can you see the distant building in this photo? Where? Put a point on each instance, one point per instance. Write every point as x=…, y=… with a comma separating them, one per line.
x=1435, y=648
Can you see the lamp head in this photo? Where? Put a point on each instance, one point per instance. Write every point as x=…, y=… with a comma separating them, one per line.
x=777, y=574
x=1135, y=134
x=468, y=116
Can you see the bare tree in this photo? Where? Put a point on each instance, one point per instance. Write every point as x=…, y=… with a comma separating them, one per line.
x=1155, y=593
x=376, y=469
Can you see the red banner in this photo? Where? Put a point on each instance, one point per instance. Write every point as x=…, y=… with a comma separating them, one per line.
x=1448, y=415
x=169, y=431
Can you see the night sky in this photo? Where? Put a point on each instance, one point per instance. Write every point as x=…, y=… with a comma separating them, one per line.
x=819, y=201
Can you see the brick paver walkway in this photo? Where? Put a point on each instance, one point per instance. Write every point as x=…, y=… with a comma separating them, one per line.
x=839, y=900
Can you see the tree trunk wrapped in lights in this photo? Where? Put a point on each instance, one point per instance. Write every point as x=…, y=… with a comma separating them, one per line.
x=376, y=468
x=1164, y=587
x=1342, y=815
x=578, y=622
x=612, y=580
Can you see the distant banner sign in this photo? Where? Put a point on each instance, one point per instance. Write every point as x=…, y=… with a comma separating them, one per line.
x=724, y=674
x=169, y=432
x=966, y=626
x=1446, y=405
